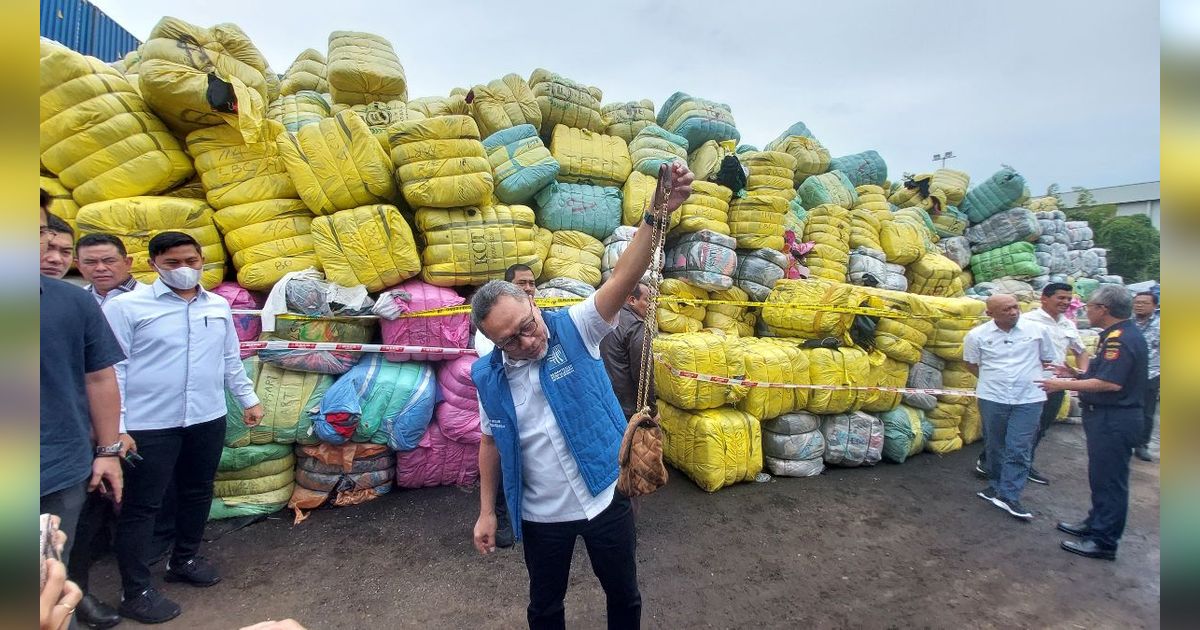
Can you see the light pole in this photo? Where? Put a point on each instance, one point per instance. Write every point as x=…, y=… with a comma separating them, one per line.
x=943, y=157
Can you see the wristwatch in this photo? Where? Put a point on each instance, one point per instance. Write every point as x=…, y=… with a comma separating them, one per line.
x=648, y=218
x=112, y=450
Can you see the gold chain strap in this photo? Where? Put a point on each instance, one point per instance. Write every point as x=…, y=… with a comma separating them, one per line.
x=658, y=237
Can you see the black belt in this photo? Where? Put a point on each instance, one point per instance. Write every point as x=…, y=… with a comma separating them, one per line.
x=1094, y=407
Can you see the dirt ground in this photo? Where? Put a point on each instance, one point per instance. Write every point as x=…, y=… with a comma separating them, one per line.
x=891, y=546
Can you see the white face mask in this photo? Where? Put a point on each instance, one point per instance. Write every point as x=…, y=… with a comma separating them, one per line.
x=182, y=278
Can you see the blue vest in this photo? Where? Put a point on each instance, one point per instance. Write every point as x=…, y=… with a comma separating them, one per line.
x=580, y=396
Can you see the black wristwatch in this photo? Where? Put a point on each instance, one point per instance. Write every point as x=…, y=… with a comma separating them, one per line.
x=648, y=219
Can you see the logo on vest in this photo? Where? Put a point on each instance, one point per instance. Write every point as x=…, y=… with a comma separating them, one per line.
x=556, y=356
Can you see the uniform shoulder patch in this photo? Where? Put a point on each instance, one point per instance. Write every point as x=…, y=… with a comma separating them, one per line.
x=1112, y=353
x=1114, y=334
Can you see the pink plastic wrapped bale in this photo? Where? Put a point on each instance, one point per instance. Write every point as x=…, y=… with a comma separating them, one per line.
x=438, y=461
x=445, y=331
x=458, y=415
x=248, y=327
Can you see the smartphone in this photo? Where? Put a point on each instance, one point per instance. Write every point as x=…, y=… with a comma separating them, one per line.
x=48, y=548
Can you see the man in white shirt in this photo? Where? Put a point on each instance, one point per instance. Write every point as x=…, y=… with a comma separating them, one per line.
x=183, y=353
x=105, y=264
x=552, y=427
x=1008, y=356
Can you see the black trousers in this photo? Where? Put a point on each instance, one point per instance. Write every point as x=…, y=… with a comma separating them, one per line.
x=187, y=455
x=1112, y=433
x=1149, y=406
x=67, y=505
x=611, y=541
x=1049, y=412
x=97, y=528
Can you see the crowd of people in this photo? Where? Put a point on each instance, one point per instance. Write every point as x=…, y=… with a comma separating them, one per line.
x=133, y=381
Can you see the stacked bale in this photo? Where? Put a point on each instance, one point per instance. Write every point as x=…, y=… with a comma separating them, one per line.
x=828, y=188
x=654, y=146
x=252, y=481
x=812, y=158
x=828, y=226
x=363, y=68
x=521, y=164
x=340, y=475
x=997, y=193
x=625, y=120
x=307, y=73
x=370, y=245
x=294, y=111
x=573, y=255
x=706, y=209
x=588, y=157
x=793, y=445
x=852, y=439
x=448, y=452
x=465, y=246
x=502, y=104
x=593, y=210
x=862, y=169
x=441, y=163
x=705, y=259
x=337, y=164
x=698, y=120
x=566, y=102
x=380, y=116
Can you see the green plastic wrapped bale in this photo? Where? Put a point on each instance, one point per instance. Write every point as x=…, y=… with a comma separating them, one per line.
x=252, y=480
x=999, y=192
x=832, y=187
x=254, y=505
x=1084, y=287
x=288, y=398
x=1016, y=260
x=241, y=458
x=905, y=430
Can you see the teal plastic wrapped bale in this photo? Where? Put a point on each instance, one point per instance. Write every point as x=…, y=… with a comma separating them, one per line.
x=995, y=194
x=593, y=210
x=797, y=129
x=1016, y=260
x=698, y=120
x=832, y=187
x=862, y=169
x=905, y=431
x=1002, y=228
x=654, y=146
x=381, y=402
x=521, y=163
x=1084, y=287
x=745, y=148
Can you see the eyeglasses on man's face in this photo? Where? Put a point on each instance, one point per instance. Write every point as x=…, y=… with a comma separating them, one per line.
x=528, y=329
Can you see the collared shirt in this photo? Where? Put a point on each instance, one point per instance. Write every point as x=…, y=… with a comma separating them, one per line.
x=483, y=345
x=554, y=489
x=1062, y=330
x=1009, y=362
x=1150, y=330
x=182, y=356
x=75, y=341
x=1120, y=358
x=125, y=287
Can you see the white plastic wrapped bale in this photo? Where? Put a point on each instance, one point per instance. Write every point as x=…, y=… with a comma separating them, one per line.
x=299, y=109
x=363, y=68
x=1054, y=228
x=614, y=246
x=1079, y=235
x=625, y=120
x=703, y=259
x=565, y=288
x=758, y=270
x=1092, y=262
x=852, y=439
x=925, y=374
x=1003, y=228
x=793, y=445
x=958, y=249
x=654, y=146
x=869, y=268
x=1052, y=257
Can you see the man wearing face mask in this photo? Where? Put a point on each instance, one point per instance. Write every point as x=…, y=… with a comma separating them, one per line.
x=183, y=354
x=552, y=427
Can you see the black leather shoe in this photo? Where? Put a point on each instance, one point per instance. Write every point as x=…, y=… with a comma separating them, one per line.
x=94, y=613
x=149, y=606
x=195, y=571
x=1089, y=549
x=1074, y=529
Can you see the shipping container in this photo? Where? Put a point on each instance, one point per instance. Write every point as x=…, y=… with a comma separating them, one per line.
x=83, y=27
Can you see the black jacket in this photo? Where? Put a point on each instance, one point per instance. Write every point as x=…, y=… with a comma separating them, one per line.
x=622, y=354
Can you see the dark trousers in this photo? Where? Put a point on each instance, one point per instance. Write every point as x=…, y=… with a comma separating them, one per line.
x=66, y=504
x=97, y=526
x=189, y=456
x=611, y=541
x=1111, y=435
x=502, y=520
x=1149, y=406
x=1049, y=413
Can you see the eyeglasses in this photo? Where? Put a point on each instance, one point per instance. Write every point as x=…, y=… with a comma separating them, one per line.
x=527, y=329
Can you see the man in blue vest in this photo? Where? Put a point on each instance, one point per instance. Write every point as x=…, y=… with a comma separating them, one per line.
x=552, y=428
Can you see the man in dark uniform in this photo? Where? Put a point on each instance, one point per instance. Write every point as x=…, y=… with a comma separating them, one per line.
x=1111, y=392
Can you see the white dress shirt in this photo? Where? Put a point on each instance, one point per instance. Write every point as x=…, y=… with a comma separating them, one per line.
x=182, y=356
x=554, y=491
x=483, y=345
x=1009, y=362
x=125, y=287
x=1062, y=330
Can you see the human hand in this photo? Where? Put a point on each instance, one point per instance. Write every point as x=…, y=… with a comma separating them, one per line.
x=59, y=597
x=285, y=624
x=127, y=444
x=252, y=416
x=1052, y=385
x=1062, y=371
x=679, y=182
x=485, y=533
x=107, y=469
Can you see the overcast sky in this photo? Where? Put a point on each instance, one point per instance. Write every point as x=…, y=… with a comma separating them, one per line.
x=1064, y=91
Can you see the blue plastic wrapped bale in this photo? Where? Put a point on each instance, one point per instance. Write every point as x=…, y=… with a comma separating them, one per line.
x=998, y=192
x=862, y=169
x=654, y=146
x=381, y=402
x=593, y=210
x=521, y=163
x=832, y=187
x=705, y=259
x=699, y=120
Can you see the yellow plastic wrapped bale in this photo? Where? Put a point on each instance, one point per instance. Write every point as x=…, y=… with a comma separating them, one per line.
x=706, y=209
x=588, y=157
x=235, y=172
x=946, y=419
x=846, y=366
x=191, y=189
x=432, y=106
x=956, y=376
x=680, y=317
x=307, y=72
x=872, y=197
x=828, y=226
x=709, y=353
x=380, y=116
x=370, y=245
x=953, y=184
x=573, y=255
x=772, y=361
x=714, y=447
x=625, y=120
x=136, y=220
x=736, y=320
x=98, y=136
x=502, y=104
x=900, y=338
x=566, y=102
x=959, y=315
x=441, y=163
x=336, y=164
x=268, y=239
x=864, y=228
x=469, y=246
x=971, y=426
x=795, y=309
x=636, y=197
x=933, y=275
x=62, y=204
x=297, y=110
x=812, y=158
x=770, y=173
x=179, y=64
x=903, y=240
x=363, y=68
x=756, y=221
x=884, y=372
x=705, y=160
